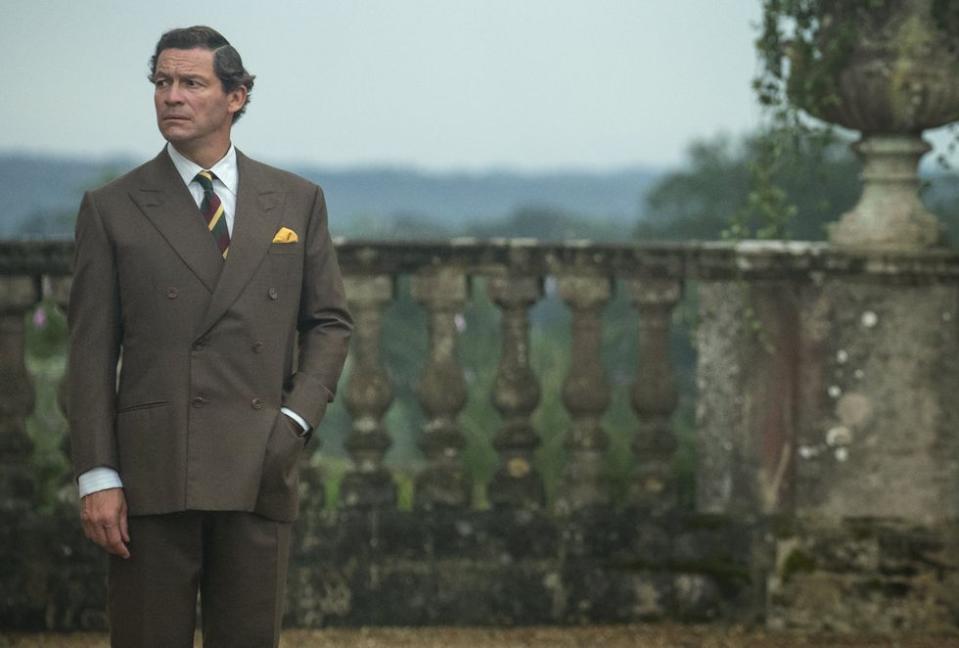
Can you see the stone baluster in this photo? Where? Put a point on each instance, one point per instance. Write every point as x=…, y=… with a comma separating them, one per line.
x=369, y=393
x=442, y=393
x=516, y=394
x=654, y=396
x=586, y=395
x=17, y=295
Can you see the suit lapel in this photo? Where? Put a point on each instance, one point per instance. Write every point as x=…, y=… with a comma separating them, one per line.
x=165, y=200
x=259, y=207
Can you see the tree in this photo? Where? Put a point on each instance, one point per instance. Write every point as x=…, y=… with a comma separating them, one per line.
x=716, y=190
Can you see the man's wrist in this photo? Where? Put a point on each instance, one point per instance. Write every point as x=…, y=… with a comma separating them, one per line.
x=299, y=420
x=98, y=479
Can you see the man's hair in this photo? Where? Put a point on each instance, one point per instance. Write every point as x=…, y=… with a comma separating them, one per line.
x=227, y=64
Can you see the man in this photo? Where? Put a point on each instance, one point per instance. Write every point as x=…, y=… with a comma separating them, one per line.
x=194, y=273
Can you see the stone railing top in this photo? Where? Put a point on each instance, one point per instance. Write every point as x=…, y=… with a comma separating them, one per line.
x=797, y=260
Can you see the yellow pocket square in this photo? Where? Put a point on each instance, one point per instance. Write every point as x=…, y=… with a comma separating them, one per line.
x=285, y=235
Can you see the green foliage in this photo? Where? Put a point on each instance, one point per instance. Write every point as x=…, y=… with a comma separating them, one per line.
x=697, y=202
x=797, y=562
x=815, y=182
x=940, y=195
x=768, y=211
x=45, y=360
x=46, y=331
x=802, y=46
x=804, y=186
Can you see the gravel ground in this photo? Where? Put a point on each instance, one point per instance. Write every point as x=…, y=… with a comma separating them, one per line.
x=646, y=636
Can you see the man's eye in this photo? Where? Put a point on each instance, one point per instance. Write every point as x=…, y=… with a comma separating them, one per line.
x=161, y=83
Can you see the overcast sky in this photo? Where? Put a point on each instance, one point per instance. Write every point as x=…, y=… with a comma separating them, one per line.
x=437, y=84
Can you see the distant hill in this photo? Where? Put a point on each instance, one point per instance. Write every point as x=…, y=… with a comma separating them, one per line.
x=39, y=195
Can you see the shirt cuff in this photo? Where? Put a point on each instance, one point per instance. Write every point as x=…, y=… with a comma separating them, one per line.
x=98, y=479
x=296, y=417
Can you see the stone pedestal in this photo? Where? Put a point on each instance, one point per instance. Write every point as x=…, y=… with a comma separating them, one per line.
x=879, y=388
x=889, y=213
x=830, y=399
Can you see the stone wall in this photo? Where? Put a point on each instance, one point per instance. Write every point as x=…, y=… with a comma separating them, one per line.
x=882, y=575
x=828, y=458
x=353, y=568
x=513, y=568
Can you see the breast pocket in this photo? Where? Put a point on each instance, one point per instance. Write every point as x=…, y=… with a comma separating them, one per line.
x=285, y=248
x=286, y=263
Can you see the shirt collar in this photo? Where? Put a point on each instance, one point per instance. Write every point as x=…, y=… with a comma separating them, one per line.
x=224, y=170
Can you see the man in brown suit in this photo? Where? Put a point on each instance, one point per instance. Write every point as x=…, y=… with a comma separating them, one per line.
x=194, y=273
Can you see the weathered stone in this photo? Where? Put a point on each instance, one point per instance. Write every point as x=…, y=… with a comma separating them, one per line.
x=697, y=598
x=586, y=395
x=878, y=407
x=835, y=399
x=882, y=575
x=748, y=361
x=368, y=395
x=442, y=393
x=517, y=483
x=889, y=213
x=654, y=396
x=878, y=327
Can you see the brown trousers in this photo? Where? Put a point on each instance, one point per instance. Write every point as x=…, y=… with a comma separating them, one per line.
x=237, y=561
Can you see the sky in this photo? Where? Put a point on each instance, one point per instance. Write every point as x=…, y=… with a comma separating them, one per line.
x=436, y=84
x=467, y=85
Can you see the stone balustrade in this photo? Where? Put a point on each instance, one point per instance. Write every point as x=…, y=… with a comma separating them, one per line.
x=825, y=389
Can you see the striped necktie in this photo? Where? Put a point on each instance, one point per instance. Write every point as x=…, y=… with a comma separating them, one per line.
x=212, y=210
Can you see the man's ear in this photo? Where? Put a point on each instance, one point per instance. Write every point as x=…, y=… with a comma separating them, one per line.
x=236, y=99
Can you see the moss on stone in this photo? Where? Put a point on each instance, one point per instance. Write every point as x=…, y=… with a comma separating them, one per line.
x=709, y=521
x=797, y=562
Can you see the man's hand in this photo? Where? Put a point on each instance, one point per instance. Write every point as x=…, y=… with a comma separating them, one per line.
x=104, y=518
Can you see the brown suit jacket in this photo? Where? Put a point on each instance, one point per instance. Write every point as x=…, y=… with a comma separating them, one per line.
x=205, y=347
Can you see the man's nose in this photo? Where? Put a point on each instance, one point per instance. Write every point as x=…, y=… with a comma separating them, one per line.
x=173, y=94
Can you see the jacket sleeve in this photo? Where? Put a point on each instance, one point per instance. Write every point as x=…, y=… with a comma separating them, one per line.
x=323, y=322
x=95, y=336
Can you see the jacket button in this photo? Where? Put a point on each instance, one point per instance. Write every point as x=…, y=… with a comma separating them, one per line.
x=256, y=403
x=171, y=292
x=199, y=401
x=272, y=293
x=257, y=347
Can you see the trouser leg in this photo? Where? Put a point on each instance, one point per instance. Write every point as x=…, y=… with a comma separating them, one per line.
x=152, y=594
x=244, y=580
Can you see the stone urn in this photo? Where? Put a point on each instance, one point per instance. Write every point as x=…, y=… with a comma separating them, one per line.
x=898, y=76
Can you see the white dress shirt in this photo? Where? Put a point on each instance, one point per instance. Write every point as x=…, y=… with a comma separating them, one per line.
x=225, y=186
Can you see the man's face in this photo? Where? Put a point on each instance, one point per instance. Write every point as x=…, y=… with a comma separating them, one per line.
x=192, y=109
